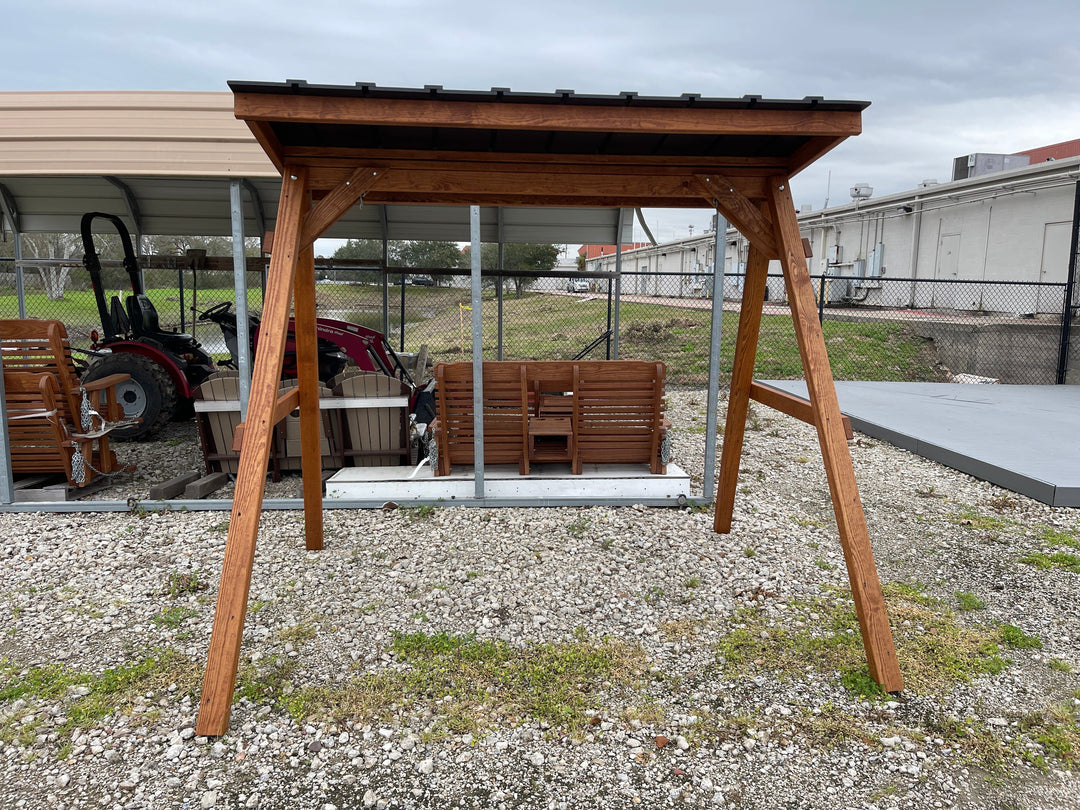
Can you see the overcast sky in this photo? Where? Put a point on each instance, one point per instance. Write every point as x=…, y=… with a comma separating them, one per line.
x=944, y=78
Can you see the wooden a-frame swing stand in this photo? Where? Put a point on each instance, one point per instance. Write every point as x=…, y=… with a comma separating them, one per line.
x=748, y=186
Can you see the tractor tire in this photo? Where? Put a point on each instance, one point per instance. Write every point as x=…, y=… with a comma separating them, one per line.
x=149, y=393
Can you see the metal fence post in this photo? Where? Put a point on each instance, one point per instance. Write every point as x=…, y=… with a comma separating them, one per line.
x=618, y=283
x=20, y=288
x=610, y=292
x=243, y=339
x=180, y=287
x=1067, y=300
x=401, y=341
x=478, y=356
x=7, y=485
x=821, y=299
x=385, y=273
x=715, y=330
x=499, y=286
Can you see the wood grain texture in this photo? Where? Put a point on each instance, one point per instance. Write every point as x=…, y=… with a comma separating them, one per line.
x=264, y=134
x=551, y=198
x=38, y=441
x=42, y=346
x=616, y=407
x=730, y=197
x=340, y=199
x=287, y=402
x=555, y=181
x=348, y=157
x=307, y=367
x=810, y=152
x=850, y=520
x=543, y=117
x=742, y=375
x=793, y=406
x=224, y=654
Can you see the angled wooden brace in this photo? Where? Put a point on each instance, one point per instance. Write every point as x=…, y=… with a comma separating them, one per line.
x=724, y=194
x=339, y=200
x=850, y=519
x=224, y=655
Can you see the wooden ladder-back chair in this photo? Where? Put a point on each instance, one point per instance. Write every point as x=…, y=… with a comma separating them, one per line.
x=89, y=411
x=619, y=413
x=506, y=415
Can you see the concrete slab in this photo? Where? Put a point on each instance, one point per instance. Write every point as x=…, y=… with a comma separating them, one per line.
x=546, y=484
x=1025, y=438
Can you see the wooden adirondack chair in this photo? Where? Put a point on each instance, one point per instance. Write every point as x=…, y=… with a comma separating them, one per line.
x=373, y=411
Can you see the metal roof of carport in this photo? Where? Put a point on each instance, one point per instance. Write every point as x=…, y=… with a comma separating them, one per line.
x=175, y=153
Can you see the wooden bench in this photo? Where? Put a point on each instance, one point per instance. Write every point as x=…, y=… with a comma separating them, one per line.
x=42, y=347
x=583, y=412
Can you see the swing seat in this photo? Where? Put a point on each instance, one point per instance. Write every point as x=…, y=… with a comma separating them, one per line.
x=42, y=347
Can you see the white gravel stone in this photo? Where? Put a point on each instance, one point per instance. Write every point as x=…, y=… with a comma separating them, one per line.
x=88, y=590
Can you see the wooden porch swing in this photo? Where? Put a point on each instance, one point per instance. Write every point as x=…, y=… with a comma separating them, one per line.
x=336, y=146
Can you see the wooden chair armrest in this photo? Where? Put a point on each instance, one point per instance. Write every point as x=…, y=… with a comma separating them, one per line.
x=435, y=426
x=106, y=382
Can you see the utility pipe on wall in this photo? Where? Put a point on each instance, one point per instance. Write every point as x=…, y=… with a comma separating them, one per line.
x=913, y=261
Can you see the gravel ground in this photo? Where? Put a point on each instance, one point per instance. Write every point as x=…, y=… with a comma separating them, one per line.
x=555, y=658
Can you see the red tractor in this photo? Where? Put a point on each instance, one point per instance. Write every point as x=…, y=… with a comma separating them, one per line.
x=166, y=366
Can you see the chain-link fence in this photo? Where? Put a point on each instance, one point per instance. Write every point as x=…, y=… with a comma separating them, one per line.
x=1069, y=357
x=934, y=331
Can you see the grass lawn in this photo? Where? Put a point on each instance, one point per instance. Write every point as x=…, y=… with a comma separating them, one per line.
x=540, y=326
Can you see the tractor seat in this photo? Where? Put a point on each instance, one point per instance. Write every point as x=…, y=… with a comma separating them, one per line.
x=144, y=323
x=119, y=317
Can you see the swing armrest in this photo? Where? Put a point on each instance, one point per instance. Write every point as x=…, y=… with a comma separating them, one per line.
x=106, y=382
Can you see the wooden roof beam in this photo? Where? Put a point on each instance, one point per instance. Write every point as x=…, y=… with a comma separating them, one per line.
x=379, y=197
x=437, y=182
x=266, y=107
x=441, y=158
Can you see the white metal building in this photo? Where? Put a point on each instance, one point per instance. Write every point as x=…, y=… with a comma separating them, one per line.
x=1007, y=226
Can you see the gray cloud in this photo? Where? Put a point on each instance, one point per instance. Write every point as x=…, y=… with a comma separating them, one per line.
x=945, y=78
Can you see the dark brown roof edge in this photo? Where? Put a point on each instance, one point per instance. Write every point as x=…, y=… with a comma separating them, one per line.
x=502, y=94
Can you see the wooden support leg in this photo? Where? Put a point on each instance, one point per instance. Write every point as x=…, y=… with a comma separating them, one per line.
x=307, y=363
x=224, y=656
x=742, y=375
x=850, y=520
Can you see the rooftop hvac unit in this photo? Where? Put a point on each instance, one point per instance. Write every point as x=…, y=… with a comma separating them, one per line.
x=986, y=163
x=862, y=191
